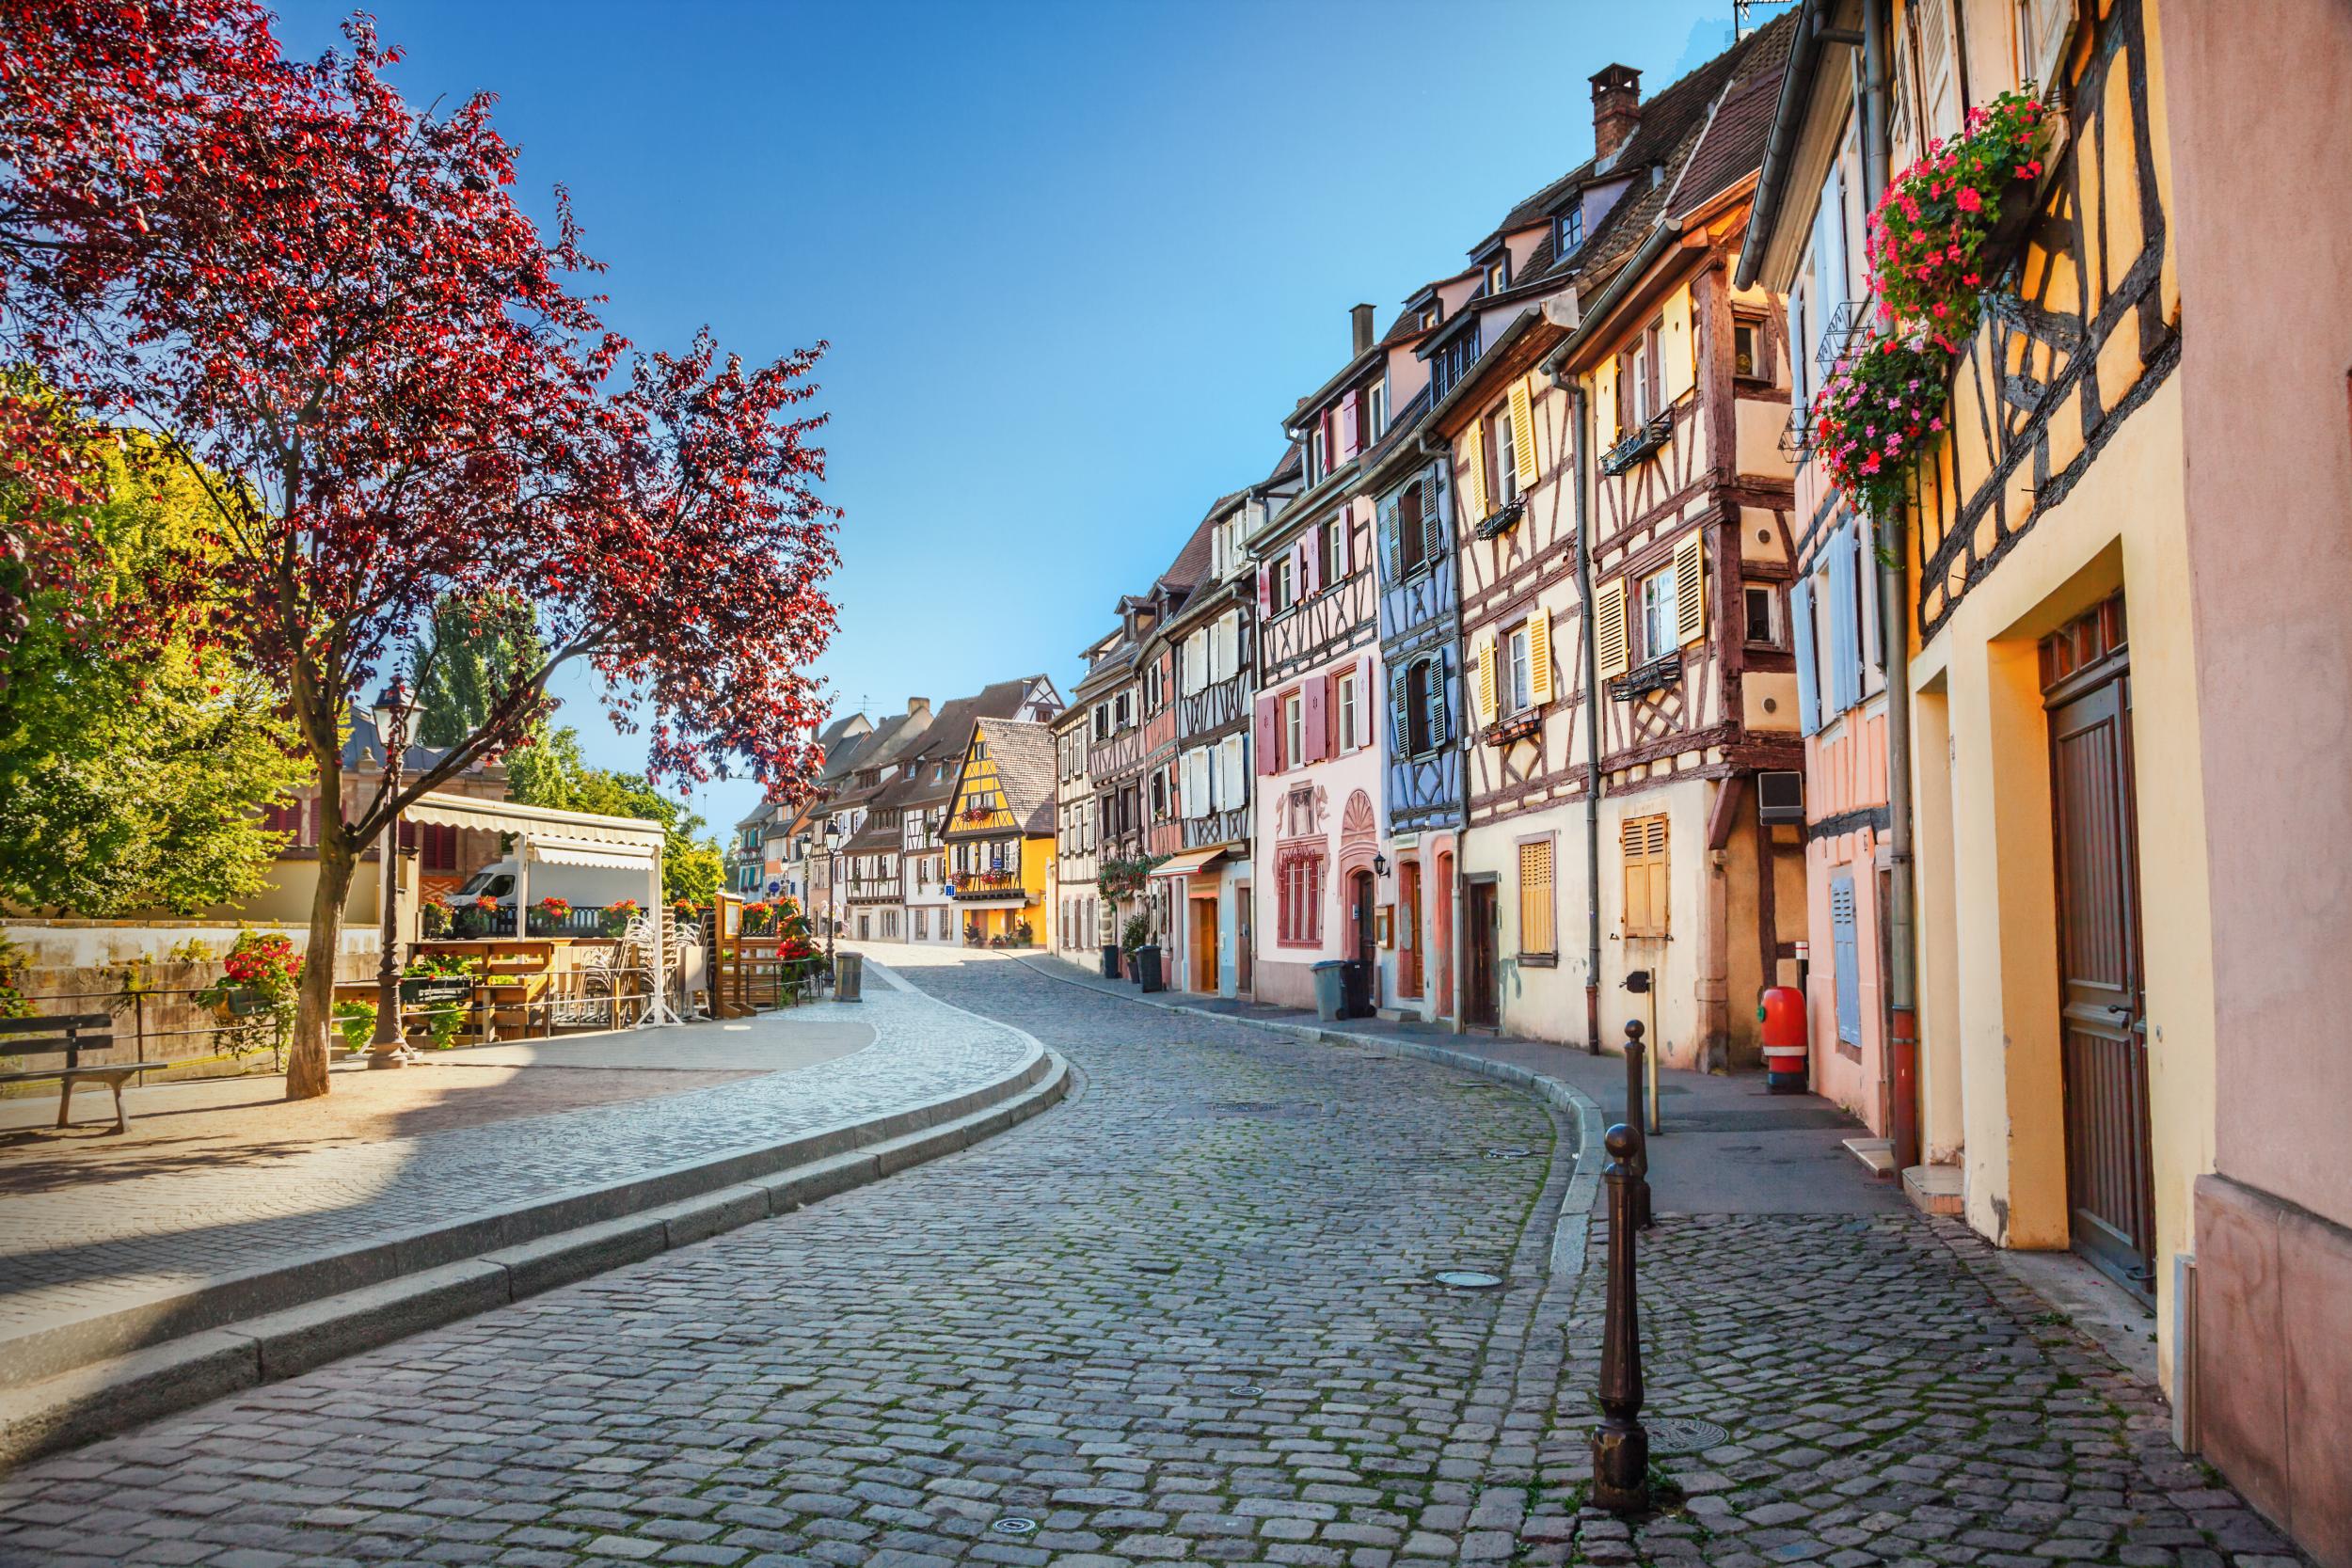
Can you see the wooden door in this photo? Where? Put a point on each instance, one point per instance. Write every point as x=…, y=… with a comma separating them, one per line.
x=2103, y=1042
x=1242, y=939
x=1482, y=928
x=1442, y=936
x=1205, y=944
x=1409, y=930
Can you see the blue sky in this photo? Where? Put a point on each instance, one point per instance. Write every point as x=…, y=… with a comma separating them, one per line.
x=1075, y=261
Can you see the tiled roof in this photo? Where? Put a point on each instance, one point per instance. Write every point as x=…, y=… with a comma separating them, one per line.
x=1732, y=147
x=1024, y=755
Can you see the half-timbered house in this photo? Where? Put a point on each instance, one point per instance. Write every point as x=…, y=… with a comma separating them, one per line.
x=1111, y=691
x=1666, y=872
x=1316, y=748
x=999, y=838
x=924, y=803
x=1078, y=930
x=2051, y=766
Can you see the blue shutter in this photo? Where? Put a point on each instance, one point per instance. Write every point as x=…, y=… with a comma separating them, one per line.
x=1845, y=953
x=1808, y=677
x=1845, y=637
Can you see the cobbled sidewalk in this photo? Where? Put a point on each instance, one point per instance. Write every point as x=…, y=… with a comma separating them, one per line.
x=89, y=1247
x=1186, y=1317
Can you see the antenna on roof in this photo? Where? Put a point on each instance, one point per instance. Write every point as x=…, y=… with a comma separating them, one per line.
x=1743, y=16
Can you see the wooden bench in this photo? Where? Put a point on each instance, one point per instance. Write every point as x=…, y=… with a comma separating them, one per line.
x=69, y=1038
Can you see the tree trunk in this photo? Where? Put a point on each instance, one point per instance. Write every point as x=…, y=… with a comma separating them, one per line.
x=306, y=1054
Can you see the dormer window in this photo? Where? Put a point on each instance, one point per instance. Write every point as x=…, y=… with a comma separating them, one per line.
x=1498, y=275
x=1430, y=316
x=1571, y=231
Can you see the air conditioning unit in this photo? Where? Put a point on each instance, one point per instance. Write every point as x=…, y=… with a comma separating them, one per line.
x=1780, y=796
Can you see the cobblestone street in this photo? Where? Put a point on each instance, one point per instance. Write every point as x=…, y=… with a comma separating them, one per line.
x=1187, y=1315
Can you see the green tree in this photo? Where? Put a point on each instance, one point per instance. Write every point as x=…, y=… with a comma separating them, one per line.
x=132, y=772
x=476, y=652
x=550, y=772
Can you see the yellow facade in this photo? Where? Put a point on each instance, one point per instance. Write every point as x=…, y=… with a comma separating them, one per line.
x=979, y=822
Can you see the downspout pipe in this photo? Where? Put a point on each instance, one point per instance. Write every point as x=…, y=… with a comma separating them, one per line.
x=1590, y=648
x=1442, y=452
x=1902, y=982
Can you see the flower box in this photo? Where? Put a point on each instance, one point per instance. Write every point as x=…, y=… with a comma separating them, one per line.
x=435, y=990
x=1644, y=441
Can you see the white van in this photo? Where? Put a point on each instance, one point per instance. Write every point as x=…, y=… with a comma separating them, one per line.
x=583, y=887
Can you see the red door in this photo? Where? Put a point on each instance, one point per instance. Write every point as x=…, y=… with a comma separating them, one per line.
x=2110, y=1186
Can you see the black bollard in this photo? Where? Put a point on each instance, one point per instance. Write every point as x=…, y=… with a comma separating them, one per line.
x=1636, y=1118
x=1620, y=1446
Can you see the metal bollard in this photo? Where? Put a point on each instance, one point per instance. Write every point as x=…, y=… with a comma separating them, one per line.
x=1636, y=1083
x=1620, y=1444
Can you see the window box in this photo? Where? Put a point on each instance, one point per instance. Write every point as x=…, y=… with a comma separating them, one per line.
x=1502, y=521
x=1657, y=675
x=1641, y=444
x=1518, y=726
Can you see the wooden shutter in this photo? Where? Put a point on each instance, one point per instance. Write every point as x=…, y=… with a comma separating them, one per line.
x=1388, y=525
x=1364, y=688
x=1523, y=432
x=1315, y=719
x=1400, y=712
x=1845, y=956
x=1269, y=745
x=1487, y=680
x=1266, y=590
x=1650, y=371
x=1474, y=461
x=1540, y=656
x=1346, y=420
x=1609, y=628
x=1798, y=392
x=1641, y=846
x=1845, y=633
x=1440, y=722
x=1537, y=933
x=1808, y=677
x=1433, y=531
x=1691, y=589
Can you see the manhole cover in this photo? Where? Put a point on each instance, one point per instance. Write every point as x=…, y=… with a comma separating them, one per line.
x=1682, y=1434
x=1467, y=1279
x=1508, y=1153
x=1015, y=1527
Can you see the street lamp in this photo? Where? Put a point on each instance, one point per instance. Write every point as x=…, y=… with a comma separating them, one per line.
x=833, y=883
x=390, y=713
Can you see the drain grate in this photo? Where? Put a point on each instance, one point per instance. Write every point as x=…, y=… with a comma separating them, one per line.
x=1467, y=1279
x=1014, y=1525
x=1509, y=1153
x=1684, y=1434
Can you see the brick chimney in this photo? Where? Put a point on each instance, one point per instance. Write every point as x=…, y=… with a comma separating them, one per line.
x=918, y=707
x=1360, y=317
x=1616, y=107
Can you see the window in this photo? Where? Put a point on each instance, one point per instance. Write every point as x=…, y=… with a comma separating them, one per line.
x=1641, y=846
x=1419, y=687
x=1571, y=231
x=1503, y=458
x=1298, y=884
x=1747, y=350
x=1294, y=729
x=1654, y=617
x=1283, y=590
x=1335, y=549
x=1430, y=316
x=1519, y=669
x=1347, y=697
x=1375, y=411
x=1761, y=616
x=1159, y=794
x=1318, y=456
x=1412, y=547
x=1539, y=935
x=1498, y=275
x=1451, y=362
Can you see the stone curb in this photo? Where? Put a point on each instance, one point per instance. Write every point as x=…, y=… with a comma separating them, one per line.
x=1573, y=1228
x=387, y=1290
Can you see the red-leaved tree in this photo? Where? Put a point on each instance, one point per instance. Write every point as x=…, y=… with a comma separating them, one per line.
x=384, y=354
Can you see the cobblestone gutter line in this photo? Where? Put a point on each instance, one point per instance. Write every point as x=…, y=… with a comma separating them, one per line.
x=1578, y=1110
x=486, y=1261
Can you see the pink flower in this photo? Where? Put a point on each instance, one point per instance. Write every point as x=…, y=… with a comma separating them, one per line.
x=1969, y=200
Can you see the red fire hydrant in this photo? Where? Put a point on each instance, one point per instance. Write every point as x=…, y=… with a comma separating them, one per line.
x=1782, y=1013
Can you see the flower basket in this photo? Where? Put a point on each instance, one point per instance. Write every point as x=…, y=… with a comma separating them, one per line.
x=244, y=1001
x=433, y=990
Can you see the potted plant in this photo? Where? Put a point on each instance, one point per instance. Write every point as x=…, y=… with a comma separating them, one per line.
x=356, y=1023
x=438, y=916
x=254, y=998
x=619, y=915
x=758, y=919
x=551, y=912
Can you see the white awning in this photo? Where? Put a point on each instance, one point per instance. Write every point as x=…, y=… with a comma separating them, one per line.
x=992, y=904
x=1189, y=862
x=565, y=851
x=536, y=823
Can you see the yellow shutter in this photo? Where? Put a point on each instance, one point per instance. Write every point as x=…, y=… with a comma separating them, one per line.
x=1487, y=681
x=1474, y=458
x=1539, y=654
x=1537, y=933
x=1609, y=627
x=1523, y=432
x=1641, y=846
x=1690, y=590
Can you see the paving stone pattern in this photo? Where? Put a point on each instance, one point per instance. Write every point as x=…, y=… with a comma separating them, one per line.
x=93, y=1245
x=1184, y=1317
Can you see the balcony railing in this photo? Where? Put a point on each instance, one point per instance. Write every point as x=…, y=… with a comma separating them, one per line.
x=873, y=890
x=1644, y=441
x=1503, y=520
x=1231, y=826
x=1657, y=675
x=995, y=882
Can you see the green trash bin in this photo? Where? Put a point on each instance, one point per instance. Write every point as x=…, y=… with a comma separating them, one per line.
x=1331, y=988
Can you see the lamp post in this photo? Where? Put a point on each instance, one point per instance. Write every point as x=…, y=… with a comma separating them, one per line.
x=390, y=713
x=832, y=883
